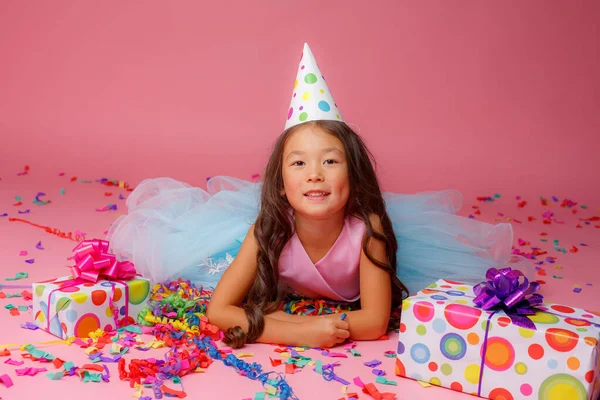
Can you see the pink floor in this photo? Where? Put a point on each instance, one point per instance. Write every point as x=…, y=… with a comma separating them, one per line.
x=76, y=210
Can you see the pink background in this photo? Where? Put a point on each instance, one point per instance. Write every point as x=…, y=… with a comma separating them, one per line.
x=479, y=96
x=486, y=97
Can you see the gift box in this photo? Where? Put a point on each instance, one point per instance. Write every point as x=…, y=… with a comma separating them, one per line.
x=102, y=293
x=76, y=310
x=446, y=340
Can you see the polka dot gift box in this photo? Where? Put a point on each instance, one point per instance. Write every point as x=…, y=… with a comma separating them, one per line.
x=447, y=341
x=78, y=310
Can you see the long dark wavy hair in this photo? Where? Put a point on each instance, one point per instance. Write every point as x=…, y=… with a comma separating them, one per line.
x=273, y=227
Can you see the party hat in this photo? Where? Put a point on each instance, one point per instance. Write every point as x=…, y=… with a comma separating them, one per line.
x=311, y=100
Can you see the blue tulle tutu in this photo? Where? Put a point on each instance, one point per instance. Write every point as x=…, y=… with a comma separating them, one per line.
x=174, y=230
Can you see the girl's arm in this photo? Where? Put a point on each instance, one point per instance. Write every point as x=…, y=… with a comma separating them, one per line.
x=223, y=310
x=371, y=321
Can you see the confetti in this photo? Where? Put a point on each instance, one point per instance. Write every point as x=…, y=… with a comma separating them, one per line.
x=29, y=371
x=39, y=202
x=5, y=379
x=39, y=245
x=384, y=381
x=30, y=261
x=424, y=384
x=53, y=231
x=373, y=364
x=19, y=275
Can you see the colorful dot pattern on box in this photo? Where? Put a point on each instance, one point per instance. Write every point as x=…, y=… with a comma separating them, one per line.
x=442, y=342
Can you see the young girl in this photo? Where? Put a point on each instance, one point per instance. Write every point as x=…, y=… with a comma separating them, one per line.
x=317, y=227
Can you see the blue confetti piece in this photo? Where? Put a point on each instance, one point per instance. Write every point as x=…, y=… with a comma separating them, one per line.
x=24, y=212
x=39, y=245
x=555, y=199
x=577, y=290
x=30, y=261
x=4, y=215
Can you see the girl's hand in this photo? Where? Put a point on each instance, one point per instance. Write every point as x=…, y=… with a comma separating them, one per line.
x=324, y=332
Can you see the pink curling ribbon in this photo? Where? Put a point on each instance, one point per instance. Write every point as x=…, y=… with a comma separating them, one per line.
x=93, y=261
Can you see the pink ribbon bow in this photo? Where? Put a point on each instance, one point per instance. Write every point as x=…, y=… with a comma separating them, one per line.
x=93, y=261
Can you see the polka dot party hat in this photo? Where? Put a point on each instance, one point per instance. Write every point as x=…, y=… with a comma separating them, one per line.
x=311, y=99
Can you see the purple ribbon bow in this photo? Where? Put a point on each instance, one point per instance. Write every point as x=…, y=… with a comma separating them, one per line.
x=509, y=290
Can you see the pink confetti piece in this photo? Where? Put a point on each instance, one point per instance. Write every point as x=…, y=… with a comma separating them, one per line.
x=13, y=362
x=255, y=176
x=338, y=355
x=25, y=171
x=107, y=208
x=358, y=382
x=6, y=380
x=350, y=345
x=23, y=253
x=29, y=371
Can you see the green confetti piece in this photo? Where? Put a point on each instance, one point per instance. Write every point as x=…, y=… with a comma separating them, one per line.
x=584, y=207
x=555, y=241
x=355, y=353
x=259, y=396
x=9, y=306
x=391, y=355
x=23, y=308
x=19, y=275
x=18, y=198
x=68, y=365
x=383, y=381
x=497, y=195
x=91, y=377
x=62, y=191
x=302, y=363
x=557, y=276
x=176, y=380
x=319, y=367
x=134, y=329
x=9, y=296
x=55, y=376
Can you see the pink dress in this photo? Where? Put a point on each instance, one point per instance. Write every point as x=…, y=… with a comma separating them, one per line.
x=335, y=276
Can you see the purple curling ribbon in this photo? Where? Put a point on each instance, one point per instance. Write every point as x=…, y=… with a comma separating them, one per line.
x=509, y=290
x=506, y=290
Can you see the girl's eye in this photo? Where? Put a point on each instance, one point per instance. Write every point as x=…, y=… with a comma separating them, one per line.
x=298, y=163
x=329, y=162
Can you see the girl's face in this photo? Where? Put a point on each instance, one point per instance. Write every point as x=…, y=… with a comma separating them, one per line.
x=315, y=173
